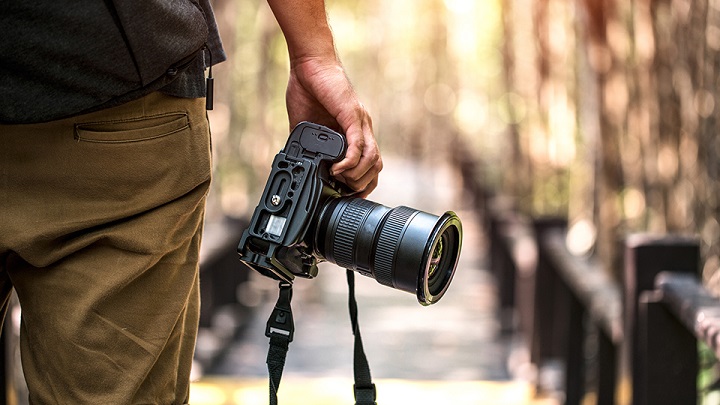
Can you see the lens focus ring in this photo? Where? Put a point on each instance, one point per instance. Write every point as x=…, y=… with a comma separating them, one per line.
x=388, y=243
x=348, y=227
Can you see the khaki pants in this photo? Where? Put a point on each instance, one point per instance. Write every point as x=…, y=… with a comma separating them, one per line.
x=100, y=221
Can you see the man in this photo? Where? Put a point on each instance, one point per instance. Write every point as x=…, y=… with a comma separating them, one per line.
x=104, y=170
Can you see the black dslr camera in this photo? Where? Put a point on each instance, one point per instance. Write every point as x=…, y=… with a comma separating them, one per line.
x=305, y=216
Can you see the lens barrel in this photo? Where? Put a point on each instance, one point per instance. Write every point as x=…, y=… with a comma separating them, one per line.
x=402, y=247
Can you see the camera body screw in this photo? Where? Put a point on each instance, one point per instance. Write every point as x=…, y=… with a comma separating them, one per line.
x=275, y=200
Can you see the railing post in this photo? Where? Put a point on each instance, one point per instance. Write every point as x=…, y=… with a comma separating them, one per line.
x=503, y=269
x=551, y=304
x=668, y=355
x=645, y=257
x=575, y=352
x=5, y=363
x=607, y=369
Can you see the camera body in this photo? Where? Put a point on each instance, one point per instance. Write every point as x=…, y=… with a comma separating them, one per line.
x=278, y=243
x=306, y=216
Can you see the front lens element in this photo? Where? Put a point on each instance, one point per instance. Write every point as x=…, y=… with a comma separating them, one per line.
x=436, y=256
x=445, y=244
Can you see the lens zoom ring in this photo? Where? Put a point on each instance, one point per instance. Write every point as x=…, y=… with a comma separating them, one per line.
x=389, y=243
x=349, y=225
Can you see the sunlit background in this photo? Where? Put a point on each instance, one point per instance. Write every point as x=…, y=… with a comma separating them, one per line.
x=430, y=72
x=601, y=112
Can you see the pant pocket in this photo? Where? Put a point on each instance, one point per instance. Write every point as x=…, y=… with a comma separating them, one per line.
x=127, y=165
x=133, y=129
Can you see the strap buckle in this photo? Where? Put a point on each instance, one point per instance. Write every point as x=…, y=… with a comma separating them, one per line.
x=365, y=394
x=280, y=323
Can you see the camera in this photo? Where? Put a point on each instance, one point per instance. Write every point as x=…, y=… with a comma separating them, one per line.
x=305, y=216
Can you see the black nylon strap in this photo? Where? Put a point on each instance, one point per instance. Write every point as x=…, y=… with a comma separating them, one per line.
x=280, y=329
x=276, y=363
x=365, y=393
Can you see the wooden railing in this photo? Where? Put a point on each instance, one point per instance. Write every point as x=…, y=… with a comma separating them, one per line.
x=641, y=333
x=646, y=328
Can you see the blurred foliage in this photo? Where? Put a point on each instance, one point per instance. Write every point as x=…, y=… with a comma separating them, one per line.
x=603, y=112
x=614, y=116
x=708, y=379
x=429, y=71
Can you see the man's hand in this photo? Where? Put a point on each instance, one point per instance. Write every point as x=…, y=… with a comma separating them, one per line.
x=319, y=91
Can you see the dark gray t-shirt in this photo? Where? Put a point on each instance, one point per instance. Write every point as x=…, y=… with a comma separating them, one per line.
x=60, y=58
x=191, y=82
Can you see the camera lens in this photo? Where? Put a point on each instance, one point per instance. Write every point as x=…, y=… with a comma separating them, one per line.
x=402, y=247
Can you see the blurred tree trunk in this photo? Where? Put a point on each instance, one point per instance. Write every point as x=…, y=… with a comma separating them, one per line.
x=706, y=146
x=520, y=78
x=521, y=182
x=656, y=64
x=609, y=71
x=646, y=103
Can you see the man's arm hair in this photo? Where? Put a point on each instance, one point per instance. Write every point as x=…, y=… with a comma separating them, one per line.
x=305, y=26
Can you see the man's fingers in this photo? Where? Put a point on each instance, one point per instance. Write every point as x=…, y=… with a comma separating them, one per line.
x=353, y=156
x=363, y=177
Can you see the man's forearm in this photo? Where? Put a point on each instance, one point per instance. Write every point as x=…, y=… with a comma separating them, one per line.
x=305, y=26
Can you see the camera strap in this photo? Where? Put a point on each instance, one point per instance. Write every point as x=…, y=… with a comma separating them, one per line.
x=280, y=329
x=364, y=388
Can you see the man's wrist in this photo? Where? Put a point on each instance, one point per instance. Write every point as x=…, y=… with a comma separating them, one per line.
x=315, y=50
x=305, y=27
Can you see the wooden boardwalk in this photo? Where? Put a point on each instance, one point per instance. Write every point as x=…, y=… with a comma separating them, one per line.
x=334, y=391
